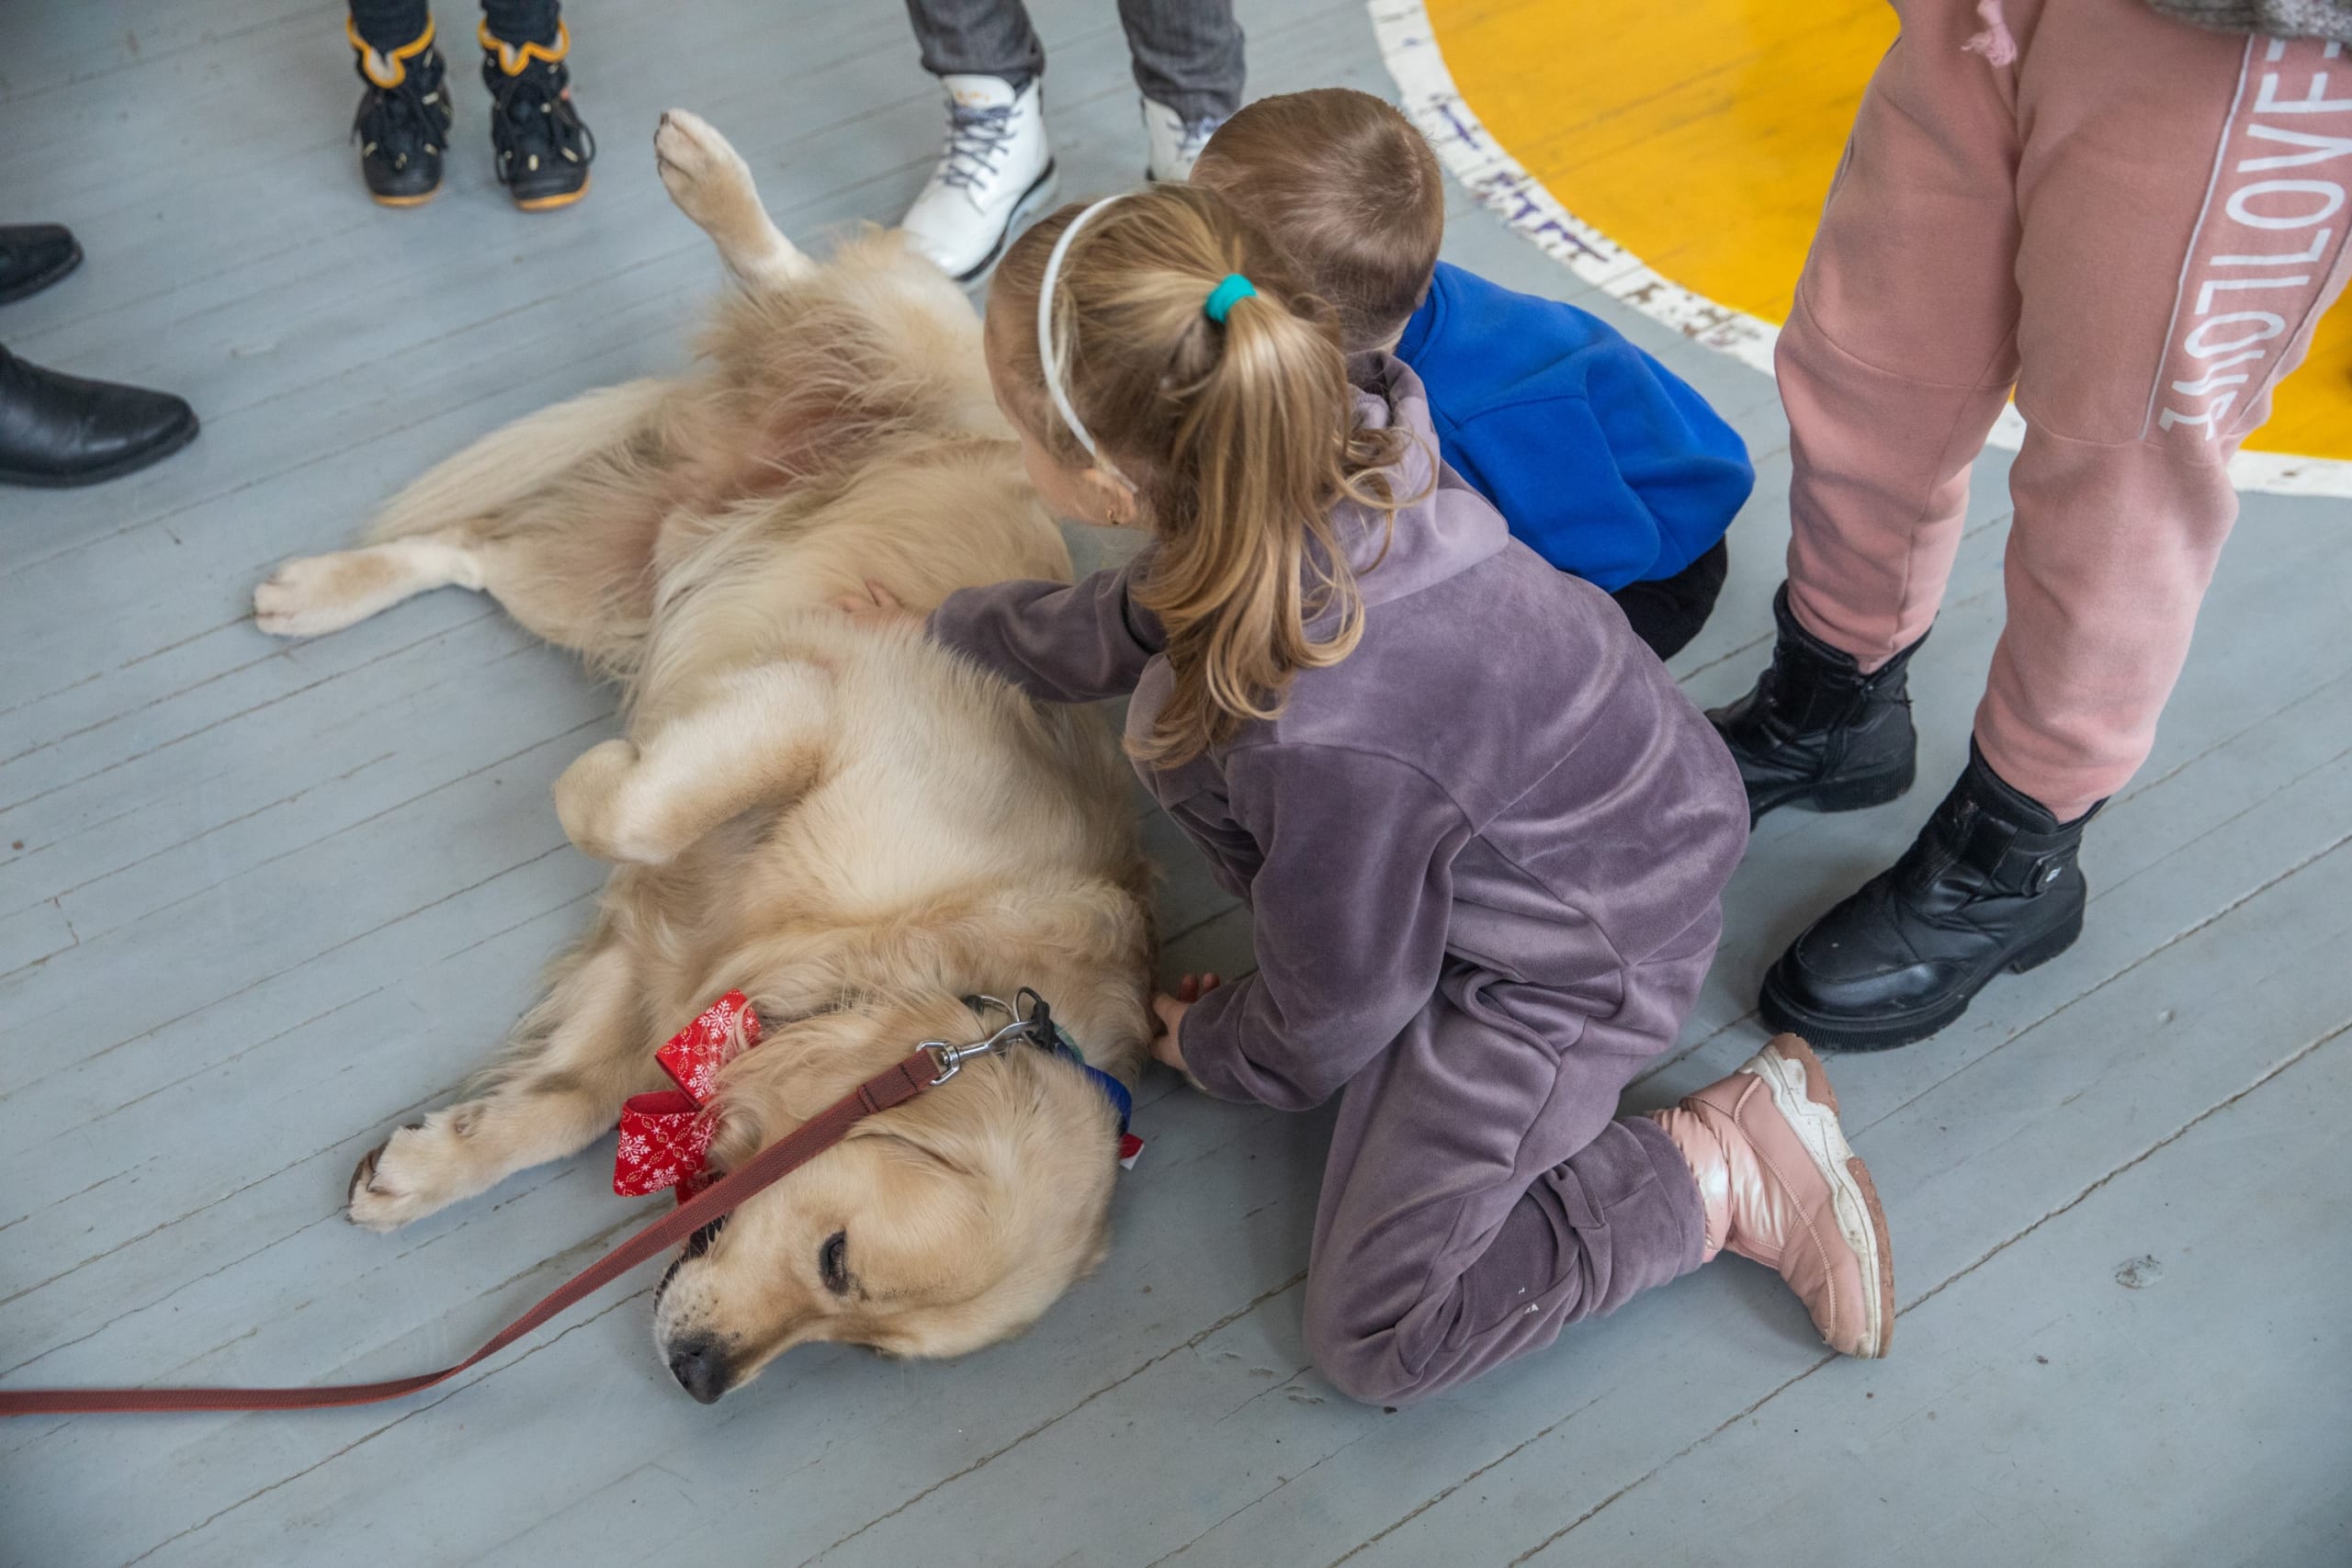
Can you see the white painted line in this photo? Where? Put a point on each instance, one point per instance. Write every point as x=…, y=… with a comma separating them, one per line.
x=1428, y=95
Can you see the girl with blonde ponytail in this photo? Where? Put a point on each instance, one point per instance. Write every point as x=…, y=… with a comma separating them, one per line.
x=1483, y=834
x=1223, y=390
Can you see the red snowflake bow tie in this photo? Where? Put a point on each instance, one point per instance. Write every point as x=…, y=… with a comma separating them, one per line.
x=666, y=1136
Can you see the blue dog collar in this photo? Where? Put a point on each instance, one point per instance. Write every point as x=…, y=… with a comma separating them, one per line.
x=1112, y=1090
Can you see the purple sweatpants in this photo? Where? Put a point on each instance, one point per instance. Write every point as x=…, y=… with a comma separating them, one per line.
x=1481, y=1193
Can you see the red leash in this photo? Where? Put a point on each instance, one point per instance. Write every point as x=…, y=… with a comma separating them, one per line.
x=923, y=1070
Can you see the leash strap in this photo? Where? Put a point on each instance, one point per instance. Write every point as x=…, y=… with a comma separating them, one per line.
x=902, y=1083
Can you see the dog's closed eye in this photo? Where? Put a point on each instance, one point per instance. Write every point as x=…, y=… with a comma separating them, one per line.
x=833, y=1263
x=699, y=1243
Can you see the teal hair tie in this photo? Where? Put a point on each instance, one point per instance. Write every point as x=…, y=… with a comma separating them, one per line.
x=1232, y=287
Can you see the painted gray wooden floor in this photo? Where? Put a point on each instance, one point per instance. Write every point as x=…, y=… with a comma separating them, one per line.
x=259, y=902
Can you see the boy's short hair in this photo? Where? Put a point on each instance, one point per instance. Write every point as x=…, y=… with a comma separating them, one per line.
x=1343, y=184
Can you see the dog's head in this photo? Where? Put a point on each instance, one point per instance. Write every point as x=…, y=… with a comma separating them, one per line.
x=945, y=1224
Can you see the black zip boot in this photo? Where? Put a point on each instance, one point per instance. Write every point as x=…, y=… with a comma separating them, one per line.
x=543, y=149
x=1991, y=884
x=402, y=126
x=1815, y=730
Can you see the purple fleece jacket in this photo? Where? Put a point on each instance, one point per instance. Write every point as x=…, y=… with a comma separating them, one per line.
x=1499, y=776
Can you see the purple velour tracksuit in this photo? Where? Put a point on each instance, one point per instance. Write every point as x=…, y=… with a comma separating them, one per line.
x=1485, y=853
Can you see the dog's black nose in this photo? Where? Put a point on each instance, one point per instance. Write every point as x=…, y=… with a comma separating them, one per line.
x=700, y=1367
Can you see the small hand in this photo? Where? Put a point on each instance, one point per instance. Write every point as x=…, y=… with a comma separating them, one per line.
x=876, y=606
x=1167, y=1044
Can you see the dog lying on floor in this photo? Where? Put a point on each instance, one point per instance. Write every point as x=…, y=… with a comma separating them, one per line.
x=846, y=823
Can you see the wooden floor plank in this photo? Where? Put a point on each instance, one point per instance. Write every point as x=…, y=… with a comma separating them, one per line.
x=2104, y=1390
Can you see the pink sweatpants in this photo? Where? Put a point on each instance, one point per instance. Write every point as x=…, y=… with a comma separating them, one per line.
x=2135, y=223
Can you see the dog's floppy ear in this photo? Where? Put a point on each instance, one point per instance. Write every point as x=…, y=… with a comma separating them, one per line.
x=975, y=1126
x=910, y=1142
x=1010, y=1124
x=1023, y=1119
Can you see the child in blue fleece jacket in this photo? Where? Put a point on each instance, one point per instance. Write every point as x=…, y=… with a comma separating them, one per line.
x=1599, y=458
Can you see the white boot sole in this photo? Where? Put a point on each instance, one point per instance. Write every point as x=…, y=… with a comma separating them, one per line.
x=1824, y=1140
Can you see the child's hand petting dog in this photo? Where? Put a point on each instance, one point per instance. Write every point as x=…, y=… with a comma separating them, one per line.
x=877, y=606
x=1167, y=1045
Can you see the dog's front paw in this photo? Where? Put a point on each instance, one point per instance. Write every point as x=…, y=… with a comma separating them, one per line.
x=403, y=1179
x=589, y=802
x=702, y=170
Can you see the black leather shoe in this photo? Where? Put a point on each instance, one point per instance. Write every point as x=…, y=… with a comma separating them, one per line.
x=543, y=149
x=1816, y=732
x=33, y=256
x=402, y=126
x=1991, y=884
x=58, y=430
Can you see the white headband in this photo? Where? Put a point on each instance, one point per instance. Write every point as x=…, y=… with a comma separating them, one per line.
x=1045, y=355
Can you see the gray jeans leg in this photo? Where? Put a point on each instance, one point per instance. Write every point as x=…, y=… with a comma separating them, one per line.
x=978, y=38
x=1187, y=54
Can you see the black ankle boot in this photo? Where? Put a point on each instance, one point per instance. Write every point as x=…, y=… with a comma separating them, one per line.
x=1815, y=730
x=58, y=430
x=402, y=126
x=33, y=256
x=543, y=149
x=1991, y=884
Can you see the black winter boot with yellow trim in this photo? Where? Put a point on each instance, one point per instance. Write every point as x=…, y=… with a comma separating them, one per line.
x=543, y=149
x=402, y=126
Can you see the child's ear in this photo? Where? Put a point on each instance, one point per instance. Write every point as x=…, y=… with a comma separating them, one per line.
x=1108, y=497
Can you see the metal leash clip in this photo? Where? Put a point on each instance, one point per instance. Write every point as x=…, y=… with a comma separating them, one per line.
x=951, y=1058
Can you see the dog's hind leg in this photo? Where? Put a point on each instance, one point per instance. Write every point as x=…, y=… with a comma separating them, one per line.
x=758, y=739
x=438, y=531
x=575, y=1058
x=314, y=594
x=516, y=461
x=712, y=185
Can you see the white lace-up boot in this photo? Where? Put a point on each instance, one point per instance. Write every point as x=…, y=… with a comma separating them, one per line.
x=996, y=170
x=1176, y=142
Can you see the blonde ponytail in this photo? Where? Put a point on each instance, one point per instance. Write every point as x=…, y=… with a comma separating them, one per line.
x=1239, y=437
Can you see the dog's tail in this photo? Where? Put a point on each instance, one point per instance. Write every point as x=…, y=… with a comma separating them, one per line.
x=509, y=464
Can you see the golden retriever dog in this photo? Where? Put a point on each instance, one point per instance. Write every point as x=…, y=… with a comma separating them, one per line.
x=850, y=825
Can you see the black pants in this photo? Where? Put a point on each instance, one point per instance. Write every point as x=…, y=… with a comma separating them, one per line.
x=385, y=25
x=1668, y=613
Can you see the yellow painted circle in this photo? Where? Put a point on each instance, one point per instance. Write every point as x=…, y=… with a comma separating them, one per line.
x=1702, y=137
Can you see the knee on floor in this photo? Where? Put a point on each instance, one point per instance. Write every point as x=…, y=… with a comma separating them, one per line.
x=1362, y=1362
